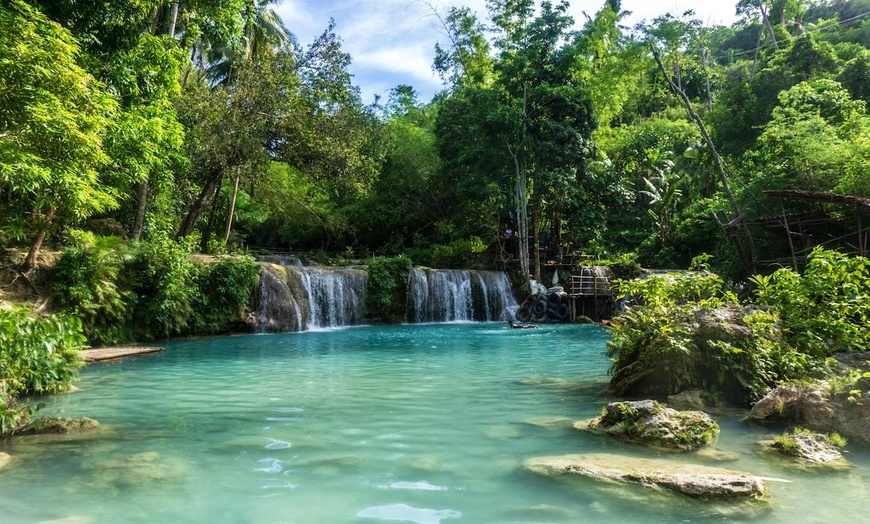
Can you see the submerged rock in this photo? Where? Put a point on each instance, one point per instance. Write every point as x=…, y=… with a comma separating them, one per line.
x=4, y=459
x=57, y=425
x=689, y=399
x=137, y=471
x=548, y=422
x=813, y=406
x=808, y=449
x=654, y=424
x=693, y=481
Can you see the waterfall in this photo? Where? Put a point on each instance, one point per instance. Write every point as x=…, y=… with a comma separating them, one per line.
x=337, y=296
x=440, y=295
x=295, y=298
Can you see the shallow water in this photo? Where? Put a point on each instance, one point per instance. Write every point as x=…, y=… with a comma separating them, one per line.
x=426, y=424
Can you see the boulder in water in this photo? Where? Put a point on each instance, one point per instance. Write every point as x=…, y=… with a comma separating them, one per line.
x=57, y=425
x=4, y=459
x=693, y=481
x=813, y=406
x=809, y=449
x=654, y=424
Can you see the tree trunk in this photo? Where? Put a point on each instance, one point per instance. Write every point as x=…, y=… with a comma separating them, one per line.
x=206, y=196
x=749, y=263
x=769, y=27
x=141, y=204
x=536, y=230
x=30, y=259
x=707, y=79
x=232, y=205
x=206, y=235
x=173, y=18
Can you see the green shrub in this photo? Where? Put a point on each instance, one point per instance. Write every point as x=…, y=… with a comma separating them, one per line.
x=385, y=296
x=825, y=309
x=457, y=253
x=85, y=282
x=162, y=278
x=224, y=293
x=657, y=346
x=37, y=355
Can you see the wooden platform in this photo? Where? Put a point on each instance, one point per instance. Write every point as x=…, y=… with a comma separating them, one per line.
x=112, y=353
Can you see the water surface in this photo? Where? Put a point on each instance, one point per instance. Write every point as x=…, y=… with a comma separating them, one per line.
x=425, y=424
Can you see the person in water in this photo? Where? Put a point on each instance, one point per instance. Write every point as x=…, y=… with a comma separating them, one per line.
x=514, y=325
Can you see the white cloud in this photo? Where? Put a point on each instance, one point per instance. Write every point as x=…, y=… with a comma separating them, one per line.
x=392, y=41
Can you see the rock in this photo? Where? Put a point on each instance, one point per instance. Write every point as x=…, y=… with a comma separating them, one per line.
x=73, y=519
x=721, y=325
x=812, y=406
x=813, y=449
x=689, y=399
x=717, y=455
x=136, y=471
x=57, y=425
x=553, y=383
x=693, y=481
x=651, y=423
x=548, y=422
x=4, y=459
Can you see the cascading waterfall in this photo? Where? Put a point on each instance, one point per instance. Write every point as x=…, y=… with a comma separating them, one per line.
x=441, y=295
x=337, y=296
x=291, y=297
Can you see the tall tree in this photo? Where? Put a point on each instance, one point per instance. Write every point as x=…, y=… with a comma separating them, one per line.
x=53, y=117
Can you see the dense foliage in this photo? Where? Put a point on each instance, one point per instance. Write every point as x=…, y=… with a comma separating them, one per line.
x=211, y=120
x=686, y=331
x=387, y=284
x=37, y=355
x=151, y=289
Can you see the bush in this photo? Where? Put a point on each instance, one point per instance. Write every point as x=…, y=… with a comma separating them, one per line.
x=386, y=293
x=85, y=283
x=825, y=309
x=457, y=253
x=162, y=278
x=37, y=355
x=224, y=293
x=151, y=289
x=661, y=344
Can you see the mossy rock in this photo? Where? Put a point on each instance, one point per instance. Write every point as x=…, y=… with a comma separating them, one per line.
x=57, y=425
x=650, y=423
x=806, y=449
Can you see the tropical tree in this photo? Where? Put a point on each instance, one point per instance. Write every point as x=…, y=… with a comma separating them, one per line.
x=53, y=117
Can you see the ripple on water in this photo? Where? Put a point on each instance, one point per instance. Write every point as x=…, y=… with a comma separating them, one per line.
x=419, y=485
x=270, y=465
x=277, y=444
x=403, y=512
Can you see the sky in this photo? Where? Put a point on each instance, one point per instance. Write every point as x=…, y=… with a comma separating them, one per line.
x=392, y=42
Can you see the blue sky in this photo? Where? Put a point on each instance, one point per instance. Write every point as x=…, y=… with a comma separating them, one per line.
x=392, y=41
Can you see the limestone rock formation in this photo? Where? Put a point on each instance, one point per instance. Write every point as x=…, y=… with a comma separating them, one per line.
x=693, y=481
x=809, y=449
x=57, y=425
x=654, y=424
x=813, y=406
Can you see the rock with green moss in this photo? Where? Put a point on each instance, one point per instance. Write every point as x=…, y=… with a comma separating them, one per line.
x=648, y=422
x=809, y=449
x=692, y=481
x=57, y=425
x=819, y=406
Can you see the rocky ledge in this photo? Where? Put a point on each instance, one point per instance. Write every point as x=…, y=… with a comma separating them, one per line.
x=808, y=449
x=56, y=425
x=693, y=481
x=813, y=406
x=648, y=422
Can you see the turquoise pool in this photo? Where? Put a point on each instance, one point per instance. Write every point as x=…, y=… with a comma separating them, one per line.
x=426, y=424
